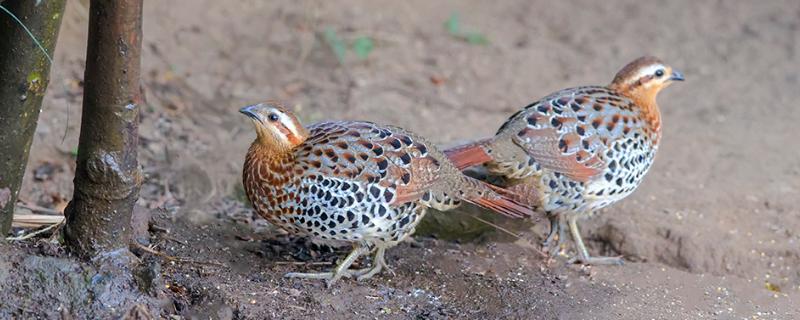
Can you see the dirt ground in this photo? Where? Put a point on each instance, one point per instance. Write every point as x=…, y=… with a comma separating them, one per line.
x=712, y=233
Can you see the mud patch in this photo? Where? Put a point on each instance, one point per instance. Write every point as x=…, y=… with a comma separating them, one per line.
x=33, y=285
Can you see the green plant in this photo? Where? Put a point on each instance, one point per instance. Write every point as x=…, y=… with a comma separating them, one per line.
x=453, y=26
x=336, y=43
x=362, y=46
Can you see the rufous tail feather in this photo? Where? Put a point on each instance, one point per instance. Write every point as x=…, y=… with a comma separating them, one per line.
x=468, y=155
x=501, y=201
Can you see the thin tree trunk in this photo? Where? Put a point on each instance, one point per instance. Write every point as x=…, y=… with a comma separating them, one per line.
x=24, y=76
x=108, y=178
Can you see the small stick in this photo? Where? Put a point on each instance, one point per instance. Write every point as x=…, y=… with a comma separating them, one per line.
x=35, y=233
x=174, y=259
x=300, y=263
x=158, y=228
x=496, y=227
x=171, y=238
x=35, y=220
x=510, y=233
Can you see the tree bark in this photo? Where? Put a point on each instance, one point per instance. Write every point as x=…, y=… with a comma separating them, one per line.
x=108, y=177
x=24, y=76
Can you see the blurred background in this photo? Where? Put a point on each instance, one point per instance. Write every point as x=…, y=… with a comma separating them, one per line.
x=713, y=228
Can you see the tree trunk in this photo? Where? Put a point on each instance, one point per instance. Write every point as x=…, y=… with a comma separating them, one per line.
x=108, y=178
x=24, y=75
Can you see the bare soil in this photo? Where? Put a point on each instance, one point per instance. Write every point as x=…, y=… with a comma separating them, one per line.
x=712, y=233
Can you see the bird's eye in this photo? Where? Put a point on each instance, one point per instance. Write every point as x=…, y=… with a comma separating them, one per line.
x=659, y=73
x=273, y=117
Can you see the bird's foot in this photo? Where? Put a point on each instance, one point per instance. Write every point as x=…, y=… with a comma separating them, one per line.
x=583, y=254
x=554, y=242
x=389, y=270
x=378, y=264
x=341, y=270
x=369, y=272
x=552, y=245
x=414, y=243
x=547, y=244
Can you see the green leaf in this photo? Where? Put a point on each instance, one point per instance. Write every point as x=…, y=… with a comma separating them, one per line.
x=452, y=25
x=476, y=38
x=74, y=152
x=337, y=45
x=362, y=47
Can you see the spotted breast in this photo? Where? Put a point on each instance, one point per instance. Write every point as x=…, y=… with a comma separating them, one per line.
x=580, y=149
x=352, y=181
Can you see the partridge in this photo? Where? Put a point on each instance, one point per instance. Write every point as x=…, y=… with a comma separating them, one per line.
x=580, y=149
x=353, y=182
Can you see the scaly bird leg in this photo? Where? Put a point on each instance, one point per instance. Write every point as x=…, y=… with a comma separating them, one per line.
x=341, y=270
x=555, y=228
x=552, y=235
x=583, y=254
x=378, y=264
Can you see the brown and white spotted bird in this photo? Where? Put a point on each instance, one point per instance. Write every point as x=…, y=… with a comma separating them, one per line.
x=580, y=149
x=352, y=181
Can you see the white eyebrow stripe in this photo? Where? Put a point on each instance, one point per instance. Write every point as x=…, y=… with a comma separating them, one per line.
x=648, y=71
x=287, y=121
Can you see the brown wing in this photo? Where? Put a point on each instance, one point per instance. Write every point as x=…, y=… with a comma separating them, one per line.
x=568, y=131
x=370, y=154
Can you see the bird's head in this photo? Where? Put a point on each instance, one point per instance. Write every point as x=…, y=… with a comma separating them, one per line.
x=644, y=78
x=276, y=127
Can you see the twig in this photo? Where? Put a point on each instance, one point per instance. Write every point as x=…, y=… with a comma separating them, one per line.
x=300, y=263
x=174, y=259
x=168, y=237
x=510, y=233
x=497, y=227
x=35, y=233
x=35, y=220
x=155, y=227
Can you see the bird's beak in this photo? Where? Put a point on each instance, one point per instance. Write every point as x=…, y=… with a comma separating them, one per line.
x=250, y=111
x=676, y=76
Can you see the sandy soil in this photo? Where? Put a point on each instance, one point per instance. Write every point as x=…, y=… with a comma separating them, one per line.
x=712, y=233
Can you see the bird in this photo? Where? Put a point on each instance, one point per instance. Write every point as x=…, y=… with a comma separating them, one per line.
x=353, y=182
x=578, y=150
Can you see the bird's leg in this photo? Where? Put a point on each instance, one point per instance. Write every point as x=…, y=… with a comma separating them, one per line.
x=414, y=243
x=555, y=228
x=583, y=254
x=341, y=270
x=552, y=234
x=378, y=264
x=382, y=260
